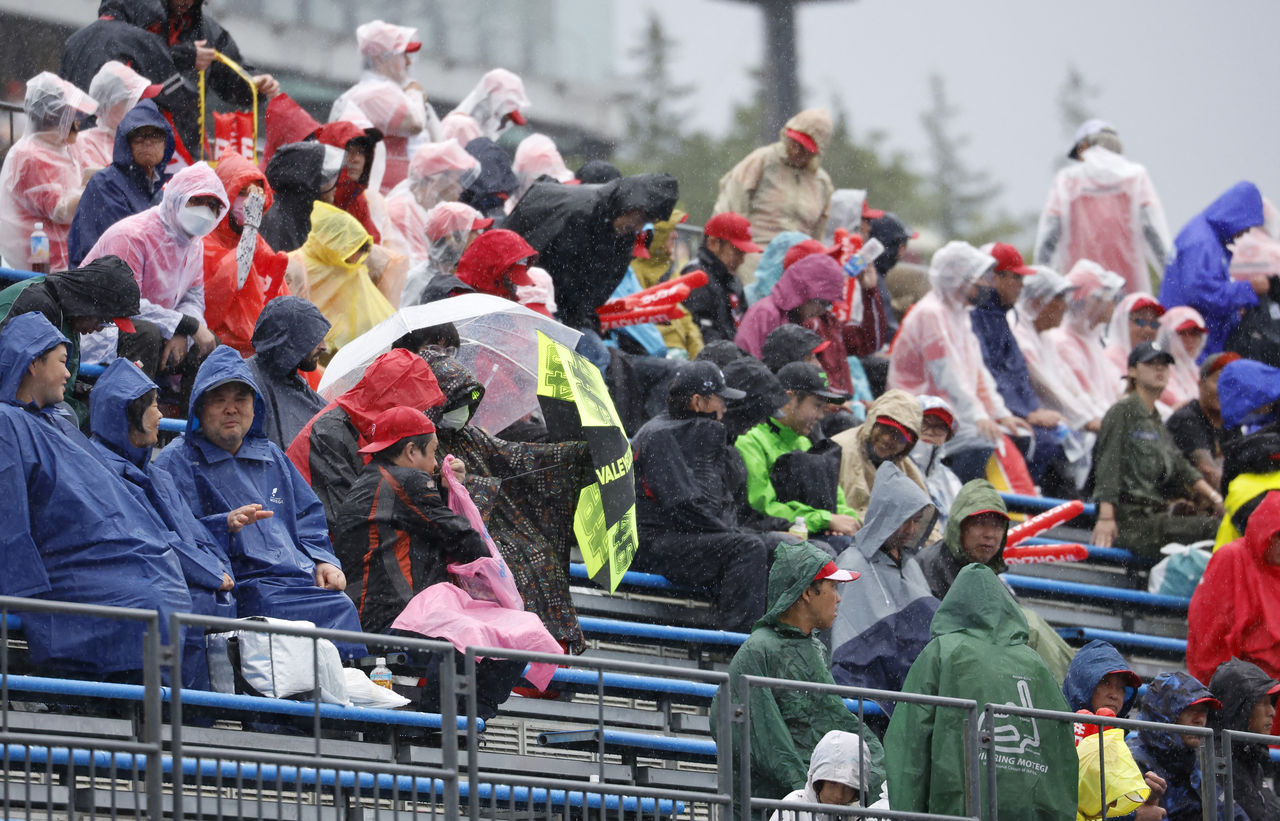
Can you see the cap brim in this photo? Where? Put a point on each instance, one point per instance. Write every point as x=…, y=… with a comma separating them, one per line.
x=1135, y=680
x=516, y=117
x=151, y=91
x=374, y=447
x=806, y=142
x=832, y=396
x=821, y=346
x=1210, y=700
x=482, y=223
x=746, y=246
x=1147, y=302
x=731, y=393
x=413, y=46
x=1188, y=325
x=988, y=510
x=1021, y=270
x=843, y=576
x=125, y=324
x=1163, y=356
x=871, y=213
x=521, y=277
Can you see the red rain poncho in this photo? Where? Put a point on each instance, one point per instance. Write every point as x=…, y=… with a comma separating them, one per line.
x=41, y=180
x=936, y=351
x=116, y=88
x=496, y=102
x=1104, y=208
x=285, y=122
x=1184, y=374
x=1235, y=610
x=483, y=264
x=438, y=172
x=1079, y=338
x=167, y=261
x=350, y=194
x=231, y=311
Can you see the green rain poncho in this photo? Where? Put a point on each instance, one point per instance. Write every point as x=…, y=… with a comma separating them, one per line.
x=979, y=651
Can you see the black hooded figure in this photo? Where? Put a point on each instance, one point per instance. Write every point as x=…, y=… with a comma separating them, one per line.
x=488, y=194
x=1240, y=685
x=296, y=174
x=288, y=331
x=573, y=229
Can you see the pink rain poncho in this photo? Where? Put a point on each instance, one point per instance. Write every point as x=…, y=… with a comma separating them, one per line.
x=387, y=96
x=1178, y=330
x=936, y=351
x=449, y=226
x=1054, y=382
x=816, y=276
x=438, y=173
x=460, y=127
x=167, y=261
x=42, y=177
x=1104, y=208
x=116, y=88
x=536, y=156
x=496, y=103
x=1258, y=251
x=1079, y=338
x=1119, y=341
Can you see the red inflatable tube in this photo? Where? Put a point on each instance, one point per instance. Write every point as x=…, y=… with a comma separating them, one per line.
x=1054, y=516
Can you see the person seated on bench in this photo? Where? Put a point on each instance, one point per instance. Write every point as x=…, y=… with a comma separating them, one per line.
x=396, y=538
x=890, y=432
x=284, y=565
x=787, y=724
x=685, y=507
x=125, y=420
x=835, y=777
x=70, y=529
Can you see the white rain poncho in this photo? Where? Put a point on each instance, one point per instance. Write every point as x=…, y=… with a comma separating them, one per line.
x=460, y=127
x=839, y=758
x=1054, y=382
x=385, y=99
x=846, y=212
x=1079, y=338
x=1184, y=374
x=936, y=351
x=438, y=172
x=448, y=232
x=536, y=156
x=116, y=88
x=167, y=261
x=42, y=176
x=1258, y=251
x=1118, y=340
x=1104, y=208
x=942, y=484
x=498, y=94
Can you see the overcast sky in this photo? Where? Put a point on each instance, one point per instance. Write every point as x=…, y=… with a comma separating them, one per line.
x=1190, y=85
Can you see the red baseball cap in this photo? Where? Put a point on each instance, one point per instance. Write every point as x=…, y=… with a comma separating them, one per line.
x=1146, y=302
x=150, y=91
x=1010, y=259
x=412, y=46
x=869, y=213
x=1213, y=703
x=835, y=574
x=482, y=223
x=1135, y=681
x=941, y=413
x=395, y=424
x=988, y=510
x=516, y=117
x=125, y=324
x=1189, y=324
x=801, y=250
x=734, y=228
x=898, y=426
x=804, y=139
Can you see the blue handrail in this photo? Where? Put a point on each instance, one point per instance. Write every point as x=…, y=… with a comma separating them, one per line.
x=1118, y=595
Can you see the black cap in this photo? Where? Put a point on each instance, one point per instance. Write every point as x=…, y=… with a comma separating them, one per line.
x=788, y=343
x=702, y=379
x=890, y=229
x=1149, y=352
x=805, y=377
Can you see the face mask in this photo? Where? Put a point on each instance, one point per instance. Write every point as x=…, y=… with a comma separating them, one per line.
x=237, y=210
x=198, y=220
x=456, y=418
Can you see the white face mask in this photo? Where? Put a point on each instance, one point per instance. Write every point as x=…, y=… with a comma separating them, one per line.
x=197, y=220
x=456, y=418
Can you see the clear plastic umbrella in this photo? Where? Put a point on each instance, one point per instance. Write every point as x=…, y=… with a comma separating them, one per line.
x=499, y=346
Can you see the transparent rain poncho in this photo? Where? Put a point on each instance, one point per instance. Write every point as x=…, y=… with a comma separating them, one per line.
x=936, y=351
x=1079, y=338
x=42, y=176
x=460, y=127
x=1118, y=341
x=846, y=212
x=448, y=232
x=536, y=156
x=498, y=94
x=438, y=172
x=1104, y=208
x=1184, y=374
x=116, y=88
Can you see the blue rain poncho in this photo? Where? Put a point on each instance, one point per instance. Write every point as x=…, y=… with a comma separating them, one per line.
x=70, y=530
x=274, y=559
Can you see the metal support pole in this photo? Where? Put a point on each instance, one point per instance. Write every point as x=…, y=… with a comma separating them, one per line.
x=989, y=742
x=781, y=88
x=742, y=714
x=152, y=658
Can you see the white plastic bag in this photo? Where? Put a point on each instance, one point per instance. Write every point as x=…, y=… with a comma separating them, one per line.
x=364, y=693
x=279, y=666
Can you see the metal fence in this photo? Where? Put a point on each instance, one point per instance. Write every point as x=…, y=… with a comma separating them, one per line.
x=140, y=747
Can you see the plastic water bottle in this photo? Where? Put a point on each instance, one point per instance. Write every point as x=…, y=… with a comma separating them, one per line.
x=800, y=529
x=38, y=260
x=381, y=674
x=859, y=261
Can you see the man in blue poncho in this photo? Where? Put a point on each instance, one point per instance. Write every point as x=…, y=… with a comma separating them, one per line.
x=1198, y=273
x=284, y=565
x=70, y=530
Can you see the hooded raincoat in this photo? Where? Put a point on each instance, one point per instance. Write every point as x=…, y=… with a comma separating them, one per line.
x=274, y=560
x=284, y=122
x=979, y=651
x=488, y=192
x=71, y=530
x=167, y=261
x=1184, y=375
x=288, y=330
x=102, y=42
x=571, y=227
x=1119, y=340
x=484, y=263
x=41, y=179
x=776, y=197
x=204, y=560
x=884, y=624
x=1092, y=663
x=449, y=230
x=858, y=466
x=231, y=309
x=122, y=188
x=786, y=725
x=1240, y=685
x=116, y=88
x=496, y=102
x=936, y=351
x=1234, y=609
x=817, y=276
x=341, y=289
x=769, y=269
x=527, y=493
x=350, y=194
x=1079, y=338
x=295, y=173
x=1198, y=274
x=537, y=156
x=1104, y=208
x=437, y=172
x=838, y=758
x=1168, y=757
x=682, y=333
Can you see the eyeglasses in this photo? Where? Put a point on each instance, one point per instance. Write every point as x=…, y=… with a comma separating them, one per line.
x=1145, y=323
x=447, y=350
